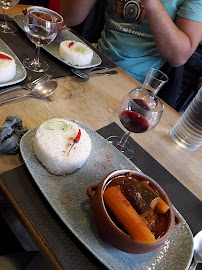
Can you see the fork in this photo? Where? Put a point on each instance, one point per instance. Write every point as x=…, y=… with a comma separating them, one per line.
x=88, y=75
x=27, y=86
x=83, y=72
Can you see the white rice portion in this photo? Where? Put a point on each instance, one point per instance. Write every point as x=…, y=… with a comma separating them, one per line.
x=77, y=54
x=52, y=142
x=7, y=68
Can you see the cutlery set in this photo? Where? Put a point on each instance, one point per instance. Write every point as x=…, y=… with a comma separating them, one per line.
x=27, y=86
x=42, y=88
x=86, y=73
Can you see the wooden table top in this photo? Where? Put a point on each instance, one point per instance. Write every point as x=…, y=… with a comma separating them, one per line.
x=95, y=103
x=14, y=10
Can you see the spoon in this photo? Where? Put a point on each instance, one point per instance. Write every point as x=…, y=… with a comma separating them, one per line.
x=197, y=250
x=40, y=91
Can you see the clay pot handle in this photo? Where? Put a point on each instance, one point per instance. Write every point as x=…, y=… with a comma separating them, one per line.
x=24, y=11
x=64, y=27
x=177, y=221
x=91, y=191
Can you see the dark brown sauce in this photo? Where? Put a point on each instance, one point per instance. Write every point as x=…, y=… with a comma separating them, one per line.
x=157, y=223
x=46, y=17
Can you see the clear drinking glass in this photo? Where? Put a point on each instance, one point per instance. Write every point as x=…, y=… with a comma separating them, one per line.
x=140, y=111
x=5, y=27
x=187, y=132
x=155, y=80
x=41, y=28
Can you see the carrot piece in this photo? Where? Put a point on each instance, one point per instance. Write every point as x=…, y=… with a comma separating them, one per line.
x=145, y=182
x=161, y=206
x=127, y=216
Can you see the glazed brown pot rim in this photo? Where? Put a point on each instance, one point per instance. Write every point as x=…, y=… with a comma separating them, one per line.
x=48, y=10
x=172, y=224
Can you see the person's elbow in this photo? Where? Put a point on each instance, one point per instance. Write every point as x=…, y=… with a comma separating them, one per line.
x=72, y=20
x=179, y=58
x=71, y=23
x=181, y=51
x=178, y=61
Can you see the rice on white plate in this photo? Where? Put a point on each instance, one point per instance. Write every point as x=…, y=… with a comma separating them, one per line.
x=75, y=53
x=52, y=142
x=7, y=67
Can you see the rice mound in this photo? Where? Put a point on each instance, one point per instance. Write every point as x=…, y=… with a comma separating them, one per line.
x=75, y=53
x=7, y=68
x=52, y=142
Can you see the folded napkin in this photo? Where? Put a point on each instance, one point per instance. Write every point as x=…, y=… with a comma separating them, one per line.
x=10, y=135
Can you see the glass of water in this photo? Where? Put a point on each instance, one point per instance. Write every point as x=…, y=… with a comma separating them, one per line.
x=5, y=27
x=40, y=26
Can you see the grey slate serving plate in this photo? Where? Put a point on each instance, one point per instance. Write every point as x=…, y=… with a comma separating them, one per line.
x=67, y=196
x=20, y=70
x=53, y=47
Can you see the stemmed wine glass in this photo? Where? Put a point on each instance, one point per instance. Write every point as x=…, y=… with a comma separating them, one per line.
x=41, y=28
x=5, y=27
x=140, y=111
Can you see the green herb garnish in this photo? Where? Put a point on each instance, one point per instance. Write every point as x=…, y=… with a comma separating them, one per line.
x=80, y=49
x=56, y=124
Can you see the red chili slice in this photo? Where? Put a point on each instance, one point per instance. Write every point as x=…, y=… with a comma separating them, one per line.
x=71, y=43
x=3, y=56
x=76, y=140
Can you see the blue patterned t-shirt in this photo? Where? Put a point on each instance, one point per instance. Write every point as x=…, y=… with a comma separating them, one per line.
x=131, y=45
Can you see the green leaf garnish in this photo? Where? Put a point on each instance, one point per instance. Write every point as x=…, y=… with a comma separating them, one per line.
x=56, y=124
x=80, y=49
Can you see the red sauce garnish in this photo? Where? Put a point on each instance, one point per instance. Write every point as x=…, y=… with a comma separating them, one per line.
x=3, y=56
x=71, y=43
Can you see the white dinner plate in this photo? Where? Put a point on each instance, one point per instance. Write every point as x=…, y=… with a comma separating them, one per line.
x=20, y=70
x=67, y=196
x=53, y=47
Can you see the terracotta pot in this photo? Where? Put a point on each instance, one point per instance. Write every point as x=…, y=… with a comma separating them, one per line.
x=108, y=229
x=60, y=20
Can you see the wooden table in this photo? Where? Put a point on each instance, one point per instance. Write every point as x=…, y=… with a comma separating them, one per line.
x=95, y=103
x=14, y=10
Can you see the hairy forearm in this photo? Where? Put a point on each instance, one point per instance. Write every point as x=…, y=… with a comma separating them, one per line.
x=174, y=45
x=75, y=11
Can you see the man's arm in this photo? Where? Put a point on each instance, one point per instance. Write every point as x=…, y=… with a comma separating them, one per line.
x=74, y=12
x=175, y=42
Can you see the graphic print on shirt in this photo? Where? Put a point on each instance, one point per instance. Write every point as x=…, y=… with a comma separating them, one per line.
x=131, y=11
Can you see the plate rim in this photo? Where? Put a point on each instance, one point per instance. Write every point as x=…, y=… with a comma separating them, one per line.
x=20, y=16
x=18, y=65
